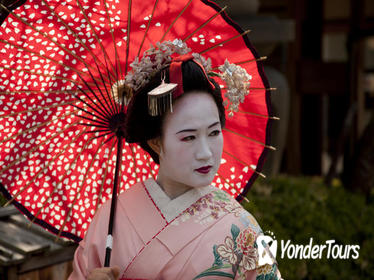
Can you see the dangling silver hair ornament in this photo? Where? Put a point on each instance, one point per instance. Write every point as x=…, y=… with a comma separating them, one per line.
x=160, y=99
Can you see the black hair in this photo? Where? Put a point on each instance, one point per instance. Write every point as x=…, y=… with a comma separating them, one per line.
x=140, y=126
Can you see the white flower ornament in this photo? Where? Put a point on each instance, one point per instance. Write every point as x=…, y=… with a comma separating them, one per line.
x=237, y=83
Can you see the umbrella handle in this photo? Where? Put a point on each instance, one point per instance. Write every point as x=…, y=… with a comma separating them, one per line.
x=109, y=240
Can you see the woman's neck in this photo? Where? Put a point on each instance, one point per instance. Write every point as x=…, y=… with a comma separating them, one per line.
x=172, y=189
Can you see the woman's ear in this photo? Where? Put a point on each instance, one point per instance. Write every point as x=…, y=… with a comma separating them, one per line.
x=155, y=145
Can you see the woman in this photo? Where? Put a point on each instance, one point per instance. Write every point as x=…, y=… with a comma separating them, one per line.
x=176, y=226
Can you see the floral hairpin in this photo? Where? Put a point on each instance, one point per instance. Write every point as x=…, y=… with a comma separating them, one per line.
x=237, y=83
x=156, y=58
x=153, y=60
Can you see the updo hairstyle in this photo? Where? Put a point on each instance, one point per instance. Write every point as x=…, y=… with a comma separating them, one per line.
x=140, y=126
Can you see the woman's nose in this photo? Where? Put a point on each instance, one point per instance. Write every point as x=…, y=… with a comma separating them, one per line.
x=204, y=151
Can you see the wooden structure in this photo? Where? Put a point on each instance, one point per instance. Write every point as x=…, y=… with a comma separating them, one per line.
x=29, y=252
x=326, y=72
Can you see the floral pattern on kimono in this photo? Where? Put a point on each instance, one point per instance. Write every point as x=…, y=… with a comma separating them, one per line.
x=239, y=252
x=205, y=234
x=210, y=208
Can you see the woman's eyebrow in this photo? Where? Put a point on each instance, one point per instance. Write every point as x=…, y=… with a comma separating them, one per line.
x=214, y=124
x=186, y=130
x=194, y=130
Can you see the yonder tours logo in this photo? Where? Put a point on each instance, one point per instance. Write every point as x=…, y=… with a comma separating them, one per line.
x=268, y=245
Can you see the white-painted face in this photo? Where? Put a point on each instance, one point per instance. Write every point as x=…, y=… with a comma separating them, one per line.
x=191, y=144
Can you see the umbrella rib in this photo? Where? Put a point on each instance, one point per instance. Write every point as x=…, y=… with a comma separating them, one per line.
x=41, y=56
x=36, y=73
x=259, y=115
x=77, y=193
x=105, y=112
x=60, y=180
x=97, y=38
x=262, y=58
x=111, y=106
x=251, y=139
x=244, y=163
x=227, y=181
x=205, y=23
x=97, y=86
x=46, y=36
x=57, y=91
x=232, y=187
x=74, y=33
x=114, y=42
x=94, y=94
x=103, y=180
x=100, y=130
x=40, y=74
x=34, y=149
x=113, y=98
x=37, y=109
x=224, y=42
x=90, y=113
x=128, y=36
x=148, y=25
x=173, y=22
x=36, y=91
x=24, y=188
x=103, y=116
x=102, y=135
x=110, y=138
x=34, y=127
x=104, y=124
x=48, y=107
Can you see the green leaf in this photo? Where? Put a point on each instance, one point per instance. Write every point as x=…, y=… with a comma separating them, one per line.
x=215, y=273
x=234, y=232
x=217, y=257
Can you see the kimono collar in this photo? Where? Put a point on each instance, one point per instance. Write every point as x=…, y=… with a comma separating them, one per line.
x=171, y=208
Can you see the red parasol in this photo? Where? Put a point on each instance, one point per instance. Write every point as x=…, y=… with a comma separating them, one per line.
x=60, y=125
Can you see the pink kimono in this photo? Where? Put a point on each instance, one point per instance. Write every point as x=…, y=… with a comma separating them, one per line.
x=202, y=234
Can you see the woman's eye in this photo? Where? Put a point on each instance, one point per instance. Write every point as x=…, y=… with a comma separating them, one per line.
x=188, y=138
x=215, y=133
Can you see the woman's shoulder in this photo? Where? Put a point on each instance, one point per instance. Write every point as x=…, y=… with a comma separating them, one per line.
x=231, y=205
x=103, y=211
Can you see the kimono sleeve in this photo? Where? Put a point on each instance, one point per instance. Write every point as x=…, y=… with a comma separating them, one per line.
x=91, y=250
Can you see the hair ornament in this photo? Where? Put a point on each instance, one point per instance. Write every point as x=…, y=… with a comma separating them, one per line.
x=121, y=92
x=160, y=99
x=237, y=83
x=236, y=78
x=153, y=60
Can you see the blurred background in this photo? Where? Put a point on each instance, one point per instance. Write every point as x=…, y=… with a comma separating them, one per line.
x=320, y=181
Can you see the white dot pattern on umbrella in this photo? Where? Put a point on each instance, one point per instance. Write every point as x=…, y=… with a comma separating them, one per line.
x=48, y=159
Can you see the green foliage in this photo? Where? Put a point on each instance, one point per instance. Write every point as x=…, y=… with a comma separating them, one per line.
x=2, y=200
x=298, y=208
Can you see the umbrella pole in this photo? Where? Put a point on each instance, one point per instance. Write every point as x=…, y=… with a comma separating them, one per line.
x=109, y=240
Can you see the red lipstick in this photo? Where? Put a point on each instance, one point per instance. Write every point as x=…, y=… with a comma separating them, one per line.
x=204, y=169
